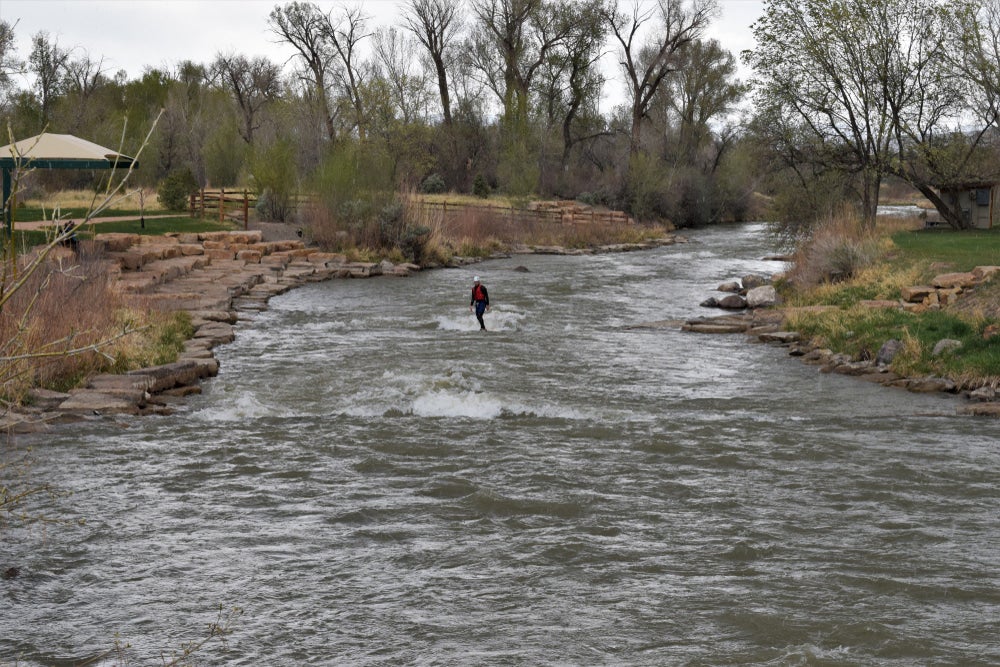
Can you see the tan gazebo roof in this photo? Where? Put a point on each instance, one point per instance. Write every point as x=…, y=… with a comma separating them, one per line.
x=54, y=151
x=59, y=147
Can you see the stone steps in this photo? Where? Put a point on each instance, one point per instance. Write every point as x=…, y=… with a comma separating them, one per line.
x=217, y=277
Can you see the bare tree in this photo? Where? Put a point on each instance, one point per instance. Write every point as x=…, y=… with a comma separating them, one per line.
x=647, y=62
x=436, y=24
x=253, y=84
x=408, y=87
x=345, y=36
x=306, y=28
x=83, y=78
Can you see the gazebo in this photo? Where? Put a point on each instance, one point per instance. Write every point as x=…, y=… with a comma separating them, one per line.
x=54, y=151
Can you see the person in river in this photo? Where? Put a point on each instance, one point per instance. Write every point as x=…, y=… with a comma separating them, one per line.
x=480, y=301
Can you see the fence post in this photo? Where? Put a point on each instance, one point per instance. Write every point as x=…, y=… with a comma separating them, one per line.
x=191, y=209
x=203, y=202
x=246, y=210
x=222, y=204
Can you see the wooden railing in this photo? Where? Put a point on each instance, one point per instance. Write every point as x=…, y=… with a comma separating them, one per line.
x=231, y=204
x=567, y=213
x=236, y=205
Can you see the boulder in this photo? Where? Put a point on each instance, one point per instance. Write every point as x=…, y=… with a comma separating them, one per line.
x=710, y=302
x=733, y=287
x=888, y=352
x=945, y=345
x=764, y=296
x=983, y=394
x=751, y=281
x=732, y=302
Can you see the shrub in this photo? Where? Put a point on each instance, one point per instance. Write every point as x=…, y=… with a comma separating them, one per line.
x=433, y=185
x=273, y=172
x=480, y=187
x=176, y=189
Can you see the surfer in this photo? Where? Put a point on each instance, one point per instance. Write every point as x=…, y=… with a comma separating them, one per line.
x=480, y=301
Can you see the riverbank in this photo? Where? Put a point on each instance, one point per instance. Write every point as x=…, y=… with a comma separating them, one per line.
x=771, y=325
x=219, y=279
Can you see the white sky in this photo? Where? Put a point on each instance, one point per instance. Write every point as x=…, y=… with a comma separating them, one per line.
x=136, y=34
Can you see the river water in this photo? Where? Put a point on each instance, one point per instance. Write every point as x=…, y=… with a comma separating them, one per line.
x=376, y=482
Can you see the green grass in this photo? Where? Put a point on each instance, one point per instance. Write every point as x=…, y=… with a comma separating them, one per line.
x=156, y=226
x=964, y=250
x=860, y=332
x=72, y=213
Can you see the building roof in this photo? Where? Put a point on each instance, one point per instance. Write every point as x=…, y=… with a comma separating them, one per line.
x=61, y=151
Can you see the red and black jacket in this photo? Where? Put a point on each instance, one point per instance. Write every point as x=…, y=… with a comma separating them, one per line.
x=479, y=293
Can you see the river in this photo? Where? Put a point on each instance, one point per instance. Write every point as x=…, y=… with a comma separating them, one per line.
x=376, y=482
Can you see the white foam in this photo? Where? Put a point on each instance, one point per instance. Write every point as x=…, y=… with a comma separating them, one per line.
x=443, y=403
x=242, y=407
x=497, y=319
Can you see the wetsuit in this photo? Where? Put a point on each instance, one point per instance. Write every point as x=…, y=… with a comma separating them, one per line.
x=480, y=299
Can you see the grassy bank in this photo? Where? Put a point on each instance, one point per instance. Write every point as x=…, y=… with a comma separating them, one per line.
x=842, y=269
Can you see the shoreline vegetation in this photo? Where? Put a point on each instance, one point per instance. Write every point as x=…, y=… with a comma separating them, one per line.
x=900, y=304
x=126, y=321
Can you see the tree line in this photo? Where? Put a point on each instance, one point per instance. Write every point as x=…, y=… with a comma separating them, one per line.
x=506, y=95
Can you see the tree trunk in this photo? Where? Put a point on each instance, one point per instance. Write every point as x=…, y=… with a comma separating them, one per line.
x=442, y=77
x=954, y=218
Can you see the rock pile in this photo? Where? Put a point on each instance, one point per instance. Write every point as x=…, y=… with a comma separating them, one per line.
x=945, y=288
x=750, y=291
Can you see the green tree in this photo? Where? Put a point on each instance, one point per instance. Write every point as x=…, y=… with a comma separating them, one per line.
x=47, y=62
x=869, y=80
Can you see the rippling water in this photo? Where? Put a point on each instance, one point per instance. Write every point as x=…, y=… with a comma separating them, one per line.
x=376, y=482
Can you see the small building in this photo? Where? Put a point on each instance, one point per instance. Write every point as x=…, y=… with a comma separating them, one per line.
x=978, y=202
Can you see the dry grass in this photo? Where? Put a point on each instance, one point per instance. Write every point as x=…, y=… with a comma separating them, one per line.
x=68, y=322
x=66, y=199
x=428, y=235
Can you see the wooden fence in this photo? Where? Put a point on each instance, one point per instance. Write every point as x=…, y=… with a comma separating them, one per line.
x=231, y=204
x=566, y=213
x=236, y=204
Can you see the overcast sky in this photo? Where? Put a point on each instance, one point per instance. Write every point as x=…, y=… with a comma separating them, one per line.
x=136, y=34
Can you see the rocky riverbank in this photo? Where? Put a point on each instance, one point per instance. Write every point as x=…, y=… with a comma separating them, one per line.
x=219, y=278
x=763, y=318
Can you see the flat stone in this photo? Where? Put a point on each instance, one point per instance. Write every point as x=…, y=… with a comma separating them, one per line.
x=714, y=328
x=930, y=385
x=916, y=293
x=981, y=410
x=782, y=337
x=949, y=280
x=96, y=402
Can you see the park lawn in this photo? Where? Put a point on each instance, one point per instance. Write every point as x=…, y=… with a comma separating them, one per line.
x=35, y=213
x=181, y=224
x=915, y=257
x=929, y=249
x=153, y=227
